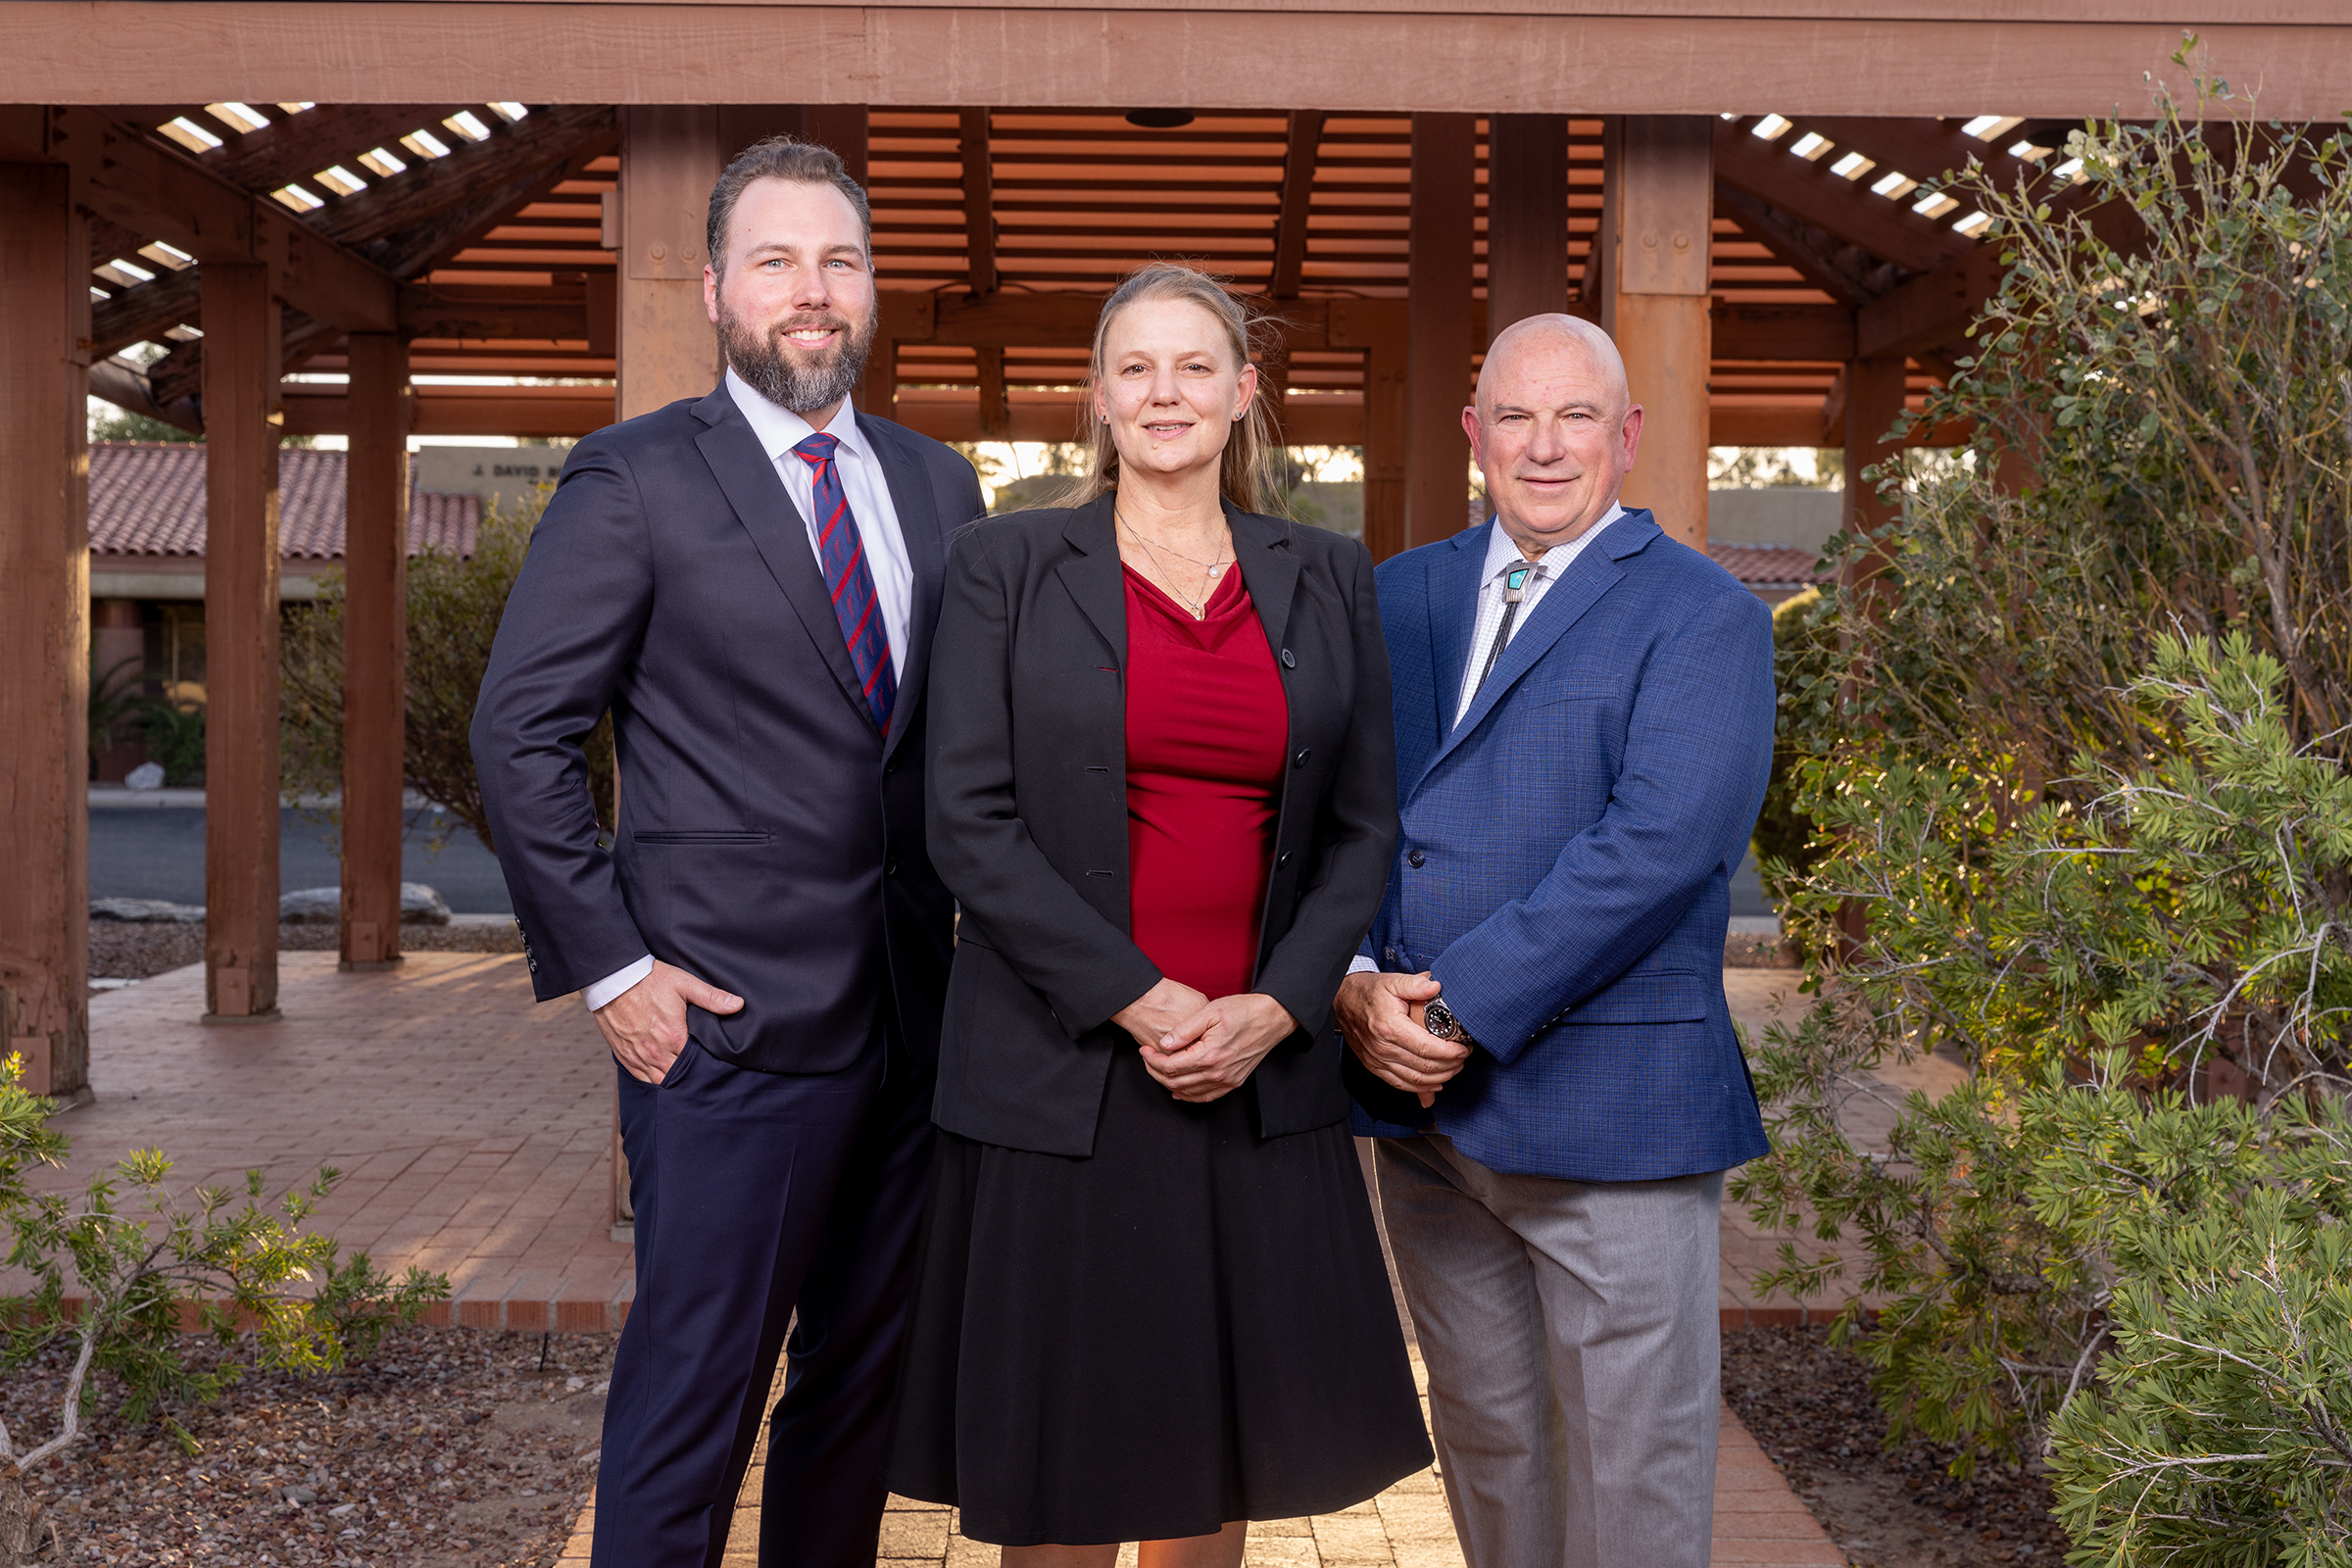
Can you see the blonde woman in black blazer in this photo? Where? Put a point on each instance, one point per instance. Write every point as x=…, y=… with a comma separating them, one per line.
x=1152, y=1305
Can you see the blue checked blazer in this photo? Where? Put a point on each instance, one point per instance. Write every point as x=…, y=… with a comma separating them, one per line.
x=1566, y=855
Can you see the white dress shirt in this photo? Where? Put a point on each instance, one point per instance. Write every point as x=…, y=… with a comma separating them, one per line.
x=1502, y=554
x=868, y=488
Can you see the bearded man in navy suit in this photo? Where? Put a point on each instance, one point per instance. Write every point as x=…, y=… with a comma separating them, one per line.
x=1584, y=716
x=748, y=582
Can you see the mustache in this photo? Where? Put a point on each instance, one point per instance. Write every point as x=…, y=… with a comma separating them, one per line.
x=802, y=321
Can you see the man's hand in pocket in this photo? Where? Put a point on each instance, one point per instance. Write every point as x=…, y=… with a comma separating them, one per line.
x=646, y=1024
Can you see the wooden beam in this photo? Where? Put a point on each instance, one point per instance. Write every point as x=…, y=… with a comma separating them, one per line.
x=430, y=315
x=375, y=618
x=1527, y=218
x=1846, y=272
x=162, y=192
x=1928, y=311
x=1848, y=209
x=45, y=635
x=471, y=172
x=1920, y=148
x=296, y=147
x=1769, y=333
x=1657, y=309
x=1522, y=55
x=241, y=652
x=979, y=203
x=1438, y=335
x=518, y=410
x=1298, y=197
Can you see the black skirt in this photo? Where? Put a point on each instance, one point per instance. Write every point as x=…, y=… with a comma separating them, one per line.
x=1192, y=1327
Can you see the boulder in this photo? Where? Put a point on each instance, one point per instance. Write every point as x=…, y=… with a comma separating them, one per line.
x=147, y=911
x=419, y=905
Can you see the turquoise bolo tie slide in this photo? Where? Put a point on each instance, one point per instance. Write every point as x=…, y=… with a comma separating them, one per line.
x=1514, y=583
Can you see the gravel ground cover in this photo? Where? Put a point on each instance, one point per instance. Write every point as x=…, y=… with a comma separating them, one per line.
x=448, y=1448
x=1809, y=1405
x=124, y=950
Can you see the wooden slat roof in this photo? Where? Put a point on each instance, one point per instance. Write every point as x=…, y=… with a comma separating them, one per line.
x=513, y=222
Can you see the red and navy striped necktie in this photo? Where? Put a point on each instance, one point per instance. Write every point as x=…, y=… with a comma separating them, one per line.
x=840, y=550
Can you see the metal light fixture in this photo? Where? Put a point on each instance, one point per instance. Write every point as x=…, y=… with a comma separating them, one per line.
x=1159, y=118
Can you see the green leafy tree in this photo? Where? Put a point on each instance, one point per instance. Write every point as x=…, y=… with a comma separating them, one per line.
x=455, y=605
x=147, y=1260
x=2160, y=443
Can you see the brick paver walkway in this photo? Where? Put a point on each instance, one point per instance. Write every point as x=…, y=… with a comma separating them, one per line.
x=473, y=1127
x=1759, y=1523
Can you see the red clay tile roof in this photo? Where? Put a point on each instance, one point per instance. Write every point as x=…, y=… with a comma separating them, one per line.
x=1773, y=566
x=1756, y=565
x=147, y=499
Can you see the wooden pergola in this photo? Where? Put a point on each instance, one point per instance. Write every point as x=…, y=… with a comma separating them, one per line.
x=380, y=192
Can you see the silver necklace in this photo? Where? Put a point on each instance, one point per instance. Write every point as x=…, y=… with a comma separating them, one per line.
x=1210, y=570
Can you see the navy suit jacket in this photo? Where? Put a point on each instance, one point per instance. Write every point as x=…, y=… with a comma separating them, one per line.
x=771, y=838
x=1566, y=855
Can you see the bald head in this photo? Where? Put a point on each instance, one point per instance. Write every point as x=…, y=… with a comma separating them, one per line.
x=1554, y=429
x=1541, y=336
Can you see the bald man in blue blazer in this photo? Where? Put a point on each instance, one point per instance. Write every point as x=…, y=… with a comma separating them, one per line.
x=1540, y=1041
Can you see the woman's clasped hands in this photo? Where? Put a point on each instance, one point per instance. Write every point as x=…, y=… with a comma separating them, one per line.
x=1199, y=1050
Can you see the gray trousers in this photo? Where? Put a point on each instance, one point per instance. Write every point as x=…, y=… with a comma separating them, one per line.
x=1573, y=1341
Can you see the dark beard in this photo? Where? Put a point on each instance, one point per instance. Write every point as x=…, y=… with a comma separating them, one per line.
x=760, y=357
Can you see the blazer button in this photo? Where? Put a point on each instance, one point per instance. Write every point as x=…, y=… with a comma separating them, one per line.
x=890, y=867
x=1391, y=955
x=1415, y=858
x=1282, y=860
x=1301, y=760
x=1287, y=663
x=889, y=768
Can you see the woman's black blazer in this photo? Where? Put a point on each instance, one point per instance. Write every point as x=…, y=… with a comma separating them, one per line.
x=1028, y=820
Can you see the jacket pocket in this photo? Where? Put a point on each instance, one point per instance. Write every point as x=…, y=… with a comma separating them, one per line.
x=714, y=837
x=1665, y=996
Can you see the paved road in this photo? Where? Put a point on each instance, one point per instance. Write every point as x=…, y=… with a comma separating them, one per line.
x=158, y=852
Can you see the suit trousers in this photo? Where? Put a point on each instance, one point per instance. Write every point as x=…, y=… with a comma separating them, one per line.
x=1573, y=1341
x=758, y=1193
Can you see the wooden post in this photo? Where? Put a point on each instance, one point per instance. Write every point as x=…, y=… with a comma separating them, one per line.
x=1662, y=178
x=375, y=642
x=669, y=159
x=46, y=630
x=1527, y=218
x=1442, y=249
x=1378, y=328
x=1873, y=400
x=242, y=422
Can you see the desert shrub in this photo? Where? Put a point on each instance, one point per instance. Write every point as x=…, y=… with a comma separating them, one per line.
x=147, y=1260
x=455, y=604
x=2104, y=971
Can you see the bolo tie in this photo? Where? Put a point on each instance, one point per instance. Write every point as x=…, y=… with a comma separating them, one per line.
x=1514, y=589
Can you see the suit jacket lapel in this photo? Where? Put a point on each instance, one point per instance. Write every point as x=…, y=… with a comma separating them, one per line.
x=1453, y=617
x=765, y=511
x=1593, y=574
x=923, y=529
x=1092, y=574
x=1262, y=549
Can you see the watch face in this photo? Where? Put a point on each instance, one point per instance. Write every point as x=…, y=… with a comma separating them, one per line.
x=1438, y=1019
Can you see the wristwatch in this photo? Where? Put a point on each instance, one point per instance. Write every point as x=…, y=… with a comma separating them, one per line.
x=1438, y=1019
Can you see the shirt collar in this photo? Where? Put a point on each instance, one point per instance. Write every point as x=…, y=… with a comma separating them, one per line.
x=779, y=430
x=1502, y=553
